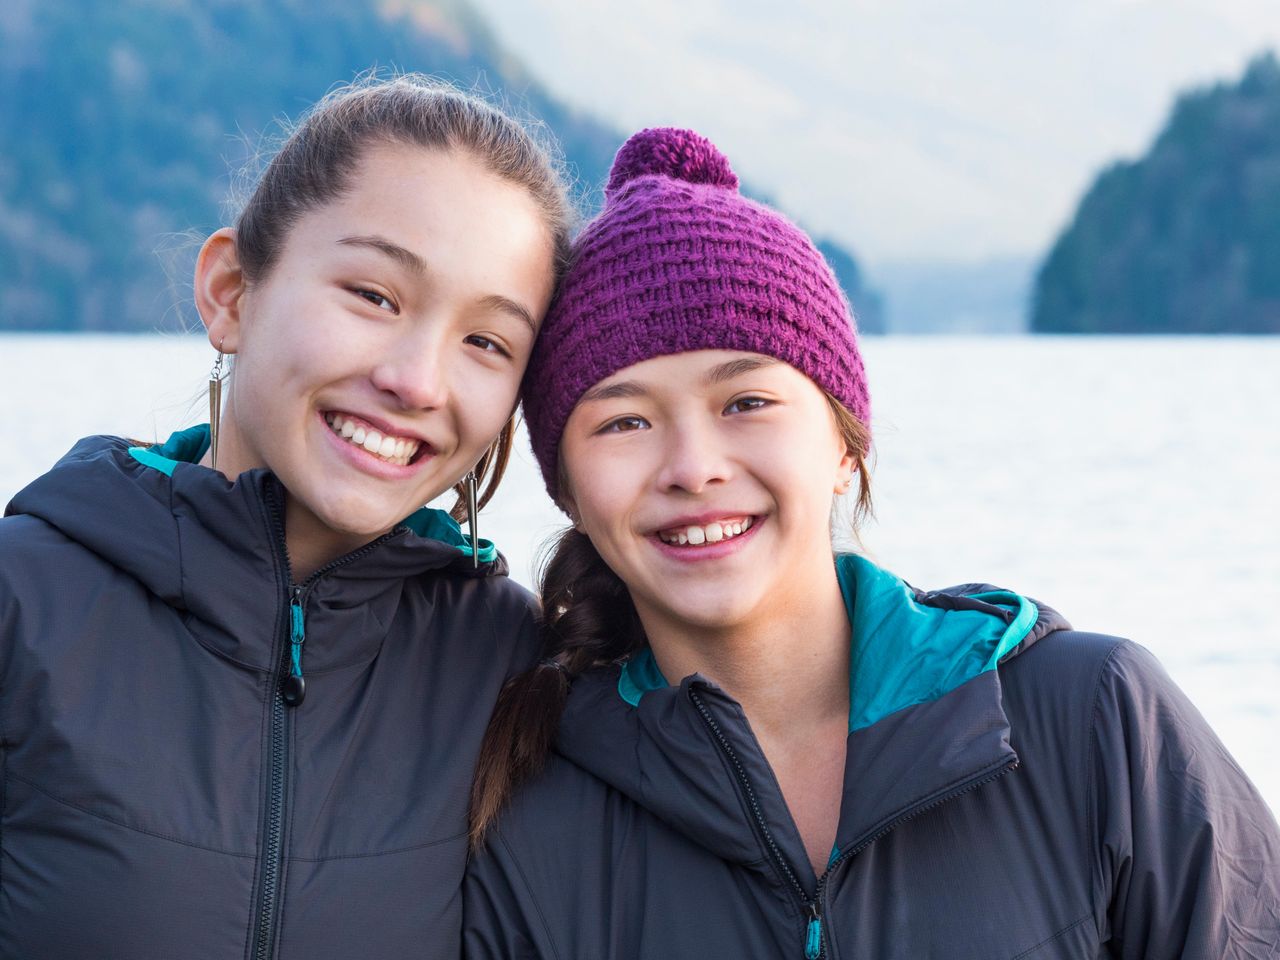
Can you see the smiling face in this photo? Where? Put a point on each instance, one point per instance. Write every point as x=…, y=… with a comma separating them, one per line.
x=381, y=354
x=705, y=480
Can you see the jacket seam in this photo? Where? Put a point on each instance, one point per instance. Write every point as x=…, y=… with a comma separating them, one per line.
x=1090, y=840
x=542, y=917
x=120, y=823
x=382, y=853
x=1061, y=933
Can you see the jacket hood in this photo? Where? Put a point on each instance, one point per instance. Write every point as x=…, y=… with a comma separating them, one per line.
x=925, y=721
x=214, y=547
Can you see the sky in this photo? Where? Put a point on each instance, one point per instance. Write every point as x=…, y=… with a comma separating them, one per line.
x=910, y=130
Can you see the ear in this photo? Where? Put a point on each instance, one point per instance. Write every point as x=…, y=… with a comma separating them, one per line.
x=219, y=290
x=844, y=472
x=566, y=503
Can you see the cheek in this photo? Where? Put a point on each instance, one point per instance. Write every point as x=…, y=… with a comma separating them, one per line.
x=603, y=495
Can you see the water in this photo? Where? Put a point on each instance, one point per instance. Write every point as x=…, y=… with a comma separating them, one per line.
x=1133, y=484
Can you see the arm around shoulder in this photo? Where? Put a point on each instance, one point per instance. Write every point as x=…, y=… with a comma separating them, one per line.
x=1185, y=845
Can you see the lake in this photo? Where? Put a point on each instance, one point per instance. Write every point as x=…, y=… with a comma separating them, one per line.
x=1131, y=483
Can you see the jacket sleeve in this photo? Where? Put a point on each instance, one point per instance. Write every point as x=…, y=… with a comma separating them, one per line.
x=501, y=919
x=1185, y=844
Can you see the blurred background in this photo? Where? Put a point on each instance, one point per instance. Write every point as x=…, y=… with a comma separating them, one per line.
x=1059, y=226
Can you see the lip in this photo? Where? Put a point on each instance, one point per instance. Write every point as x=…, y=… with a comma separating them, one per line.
x=707, y=551
x=366, y=462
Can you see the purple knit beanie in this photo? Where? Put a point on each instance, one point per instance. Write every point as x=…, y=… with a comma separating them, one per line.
x=678, y=260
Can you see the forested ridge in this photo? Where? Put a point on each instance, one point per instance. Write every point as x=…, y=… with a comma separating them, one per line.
x=124, y=125
x=1185, y=239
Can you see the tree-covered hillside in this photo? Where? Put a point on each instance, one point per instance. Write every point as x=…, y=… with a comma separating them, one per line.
x=1186, y=239
x=123, y=125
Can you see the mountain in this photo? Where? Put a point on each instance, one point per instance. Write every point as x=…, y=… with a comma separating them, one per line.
x=125, y=124
x=986, y=297
x=1187, y=238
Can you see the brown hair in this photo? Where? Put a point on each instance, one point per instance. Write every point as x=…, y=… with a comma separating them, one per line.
x=315, y=164
x=588, y=621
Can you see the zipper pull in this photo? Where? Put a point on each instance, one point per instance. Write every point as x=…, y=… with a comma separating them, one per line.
x=813, y=941
x=294, y=687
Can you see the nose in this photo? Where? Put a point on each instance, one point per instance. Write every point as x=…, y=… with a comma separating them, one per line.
x=414, y=370
x=695, y=458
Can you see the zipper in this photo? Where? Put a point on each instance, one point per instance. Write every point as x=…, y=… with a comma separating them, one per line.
x=978, y=780
x=813, y=930
x=814, y=943
x=290, y=689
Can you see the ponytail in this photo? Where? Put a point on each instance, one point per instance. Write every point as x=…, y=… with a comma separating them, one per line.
x=588, y=621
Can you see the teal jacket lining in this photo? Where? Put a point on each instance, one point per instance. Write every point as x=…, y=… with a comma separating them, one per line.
x=904, y=651
x=190, y=445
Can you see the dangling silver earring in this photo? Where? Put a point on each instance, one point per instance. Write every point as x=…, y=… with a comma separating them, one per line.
x=470, y=481
x=216, y=376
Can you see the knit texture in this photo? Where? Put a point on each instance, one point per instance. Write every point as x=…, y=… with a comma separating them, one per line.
x=678, y=260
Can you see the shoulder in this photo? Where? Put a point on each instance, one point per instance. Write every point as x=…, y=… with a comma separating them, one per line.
x=1059, y=676
x=550, y=843
x=543, y=823
x=31, y=550
x=490, y=617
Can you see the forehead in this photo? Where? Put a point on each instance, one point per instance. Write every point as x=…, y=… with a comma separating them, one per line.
x=464, y=226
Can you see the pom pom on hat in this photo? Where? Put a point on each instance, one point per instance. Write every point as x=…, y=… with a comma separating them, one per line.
x=670, y=152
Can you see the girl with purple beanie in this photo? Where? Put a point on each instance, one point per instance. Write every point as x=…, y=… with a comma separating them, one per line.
x=739, y=744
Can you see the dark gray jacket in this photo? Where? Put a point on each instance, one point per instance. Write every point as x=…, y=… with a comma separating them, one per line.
x=160, y=799
x=1012, y=790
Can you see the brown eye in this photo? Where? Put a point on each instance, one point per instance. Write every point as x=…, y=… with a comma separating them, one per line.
x=487, y=344
x=377, y=299
x=625, y=425
x=746, y=404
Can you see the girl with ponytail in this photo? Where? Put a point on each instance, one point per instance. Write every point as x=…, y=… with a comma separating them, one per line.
x=742, y=744
x=245, y=673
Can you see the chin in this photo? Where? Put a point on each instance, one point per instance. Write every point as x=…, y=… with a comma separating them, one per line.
x=356, y=517
x=706, y=613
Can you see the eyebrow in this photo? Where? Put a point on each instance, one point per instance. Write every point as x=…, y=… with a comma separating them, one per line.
x=735, y=368
x=415, y=264
x=720, y=373
x=506, y=305
x=402, y=255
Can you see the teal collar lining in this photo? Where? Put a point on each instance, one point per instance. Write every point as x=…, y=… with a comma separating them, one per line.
x=190, y=446
x=904, y=652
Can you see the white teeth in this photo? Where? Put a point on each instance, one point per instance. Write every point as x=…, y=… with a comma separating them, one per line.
x=399, y=450
x=711, y=533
